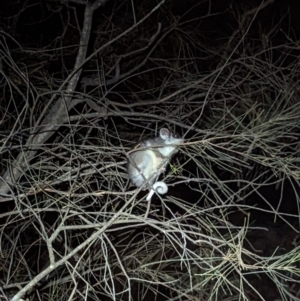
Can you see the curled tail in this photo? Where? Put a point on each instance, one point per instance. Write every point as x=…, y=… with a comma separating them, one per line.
x=158, y=187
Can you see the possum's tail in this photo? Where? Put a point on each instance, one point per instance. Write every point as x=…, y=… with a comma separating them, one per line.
x=158, y=187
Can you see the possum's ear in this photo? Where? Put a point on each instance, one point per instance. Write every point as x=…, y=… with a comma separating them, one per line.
x=164, y=133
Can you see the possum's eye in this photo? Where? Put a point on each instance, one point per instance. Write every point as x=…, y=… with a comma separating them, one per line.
x=175, y=135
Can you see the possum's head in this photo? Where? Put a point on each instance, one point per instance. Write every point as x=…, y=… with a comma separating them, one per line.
x=170, y=140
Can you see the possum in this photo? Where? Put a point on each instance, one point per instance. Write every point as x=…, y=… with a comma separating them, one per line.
x=150, y=158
